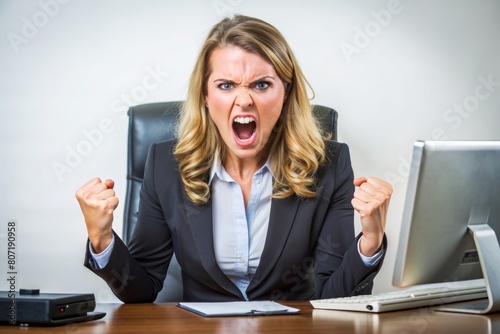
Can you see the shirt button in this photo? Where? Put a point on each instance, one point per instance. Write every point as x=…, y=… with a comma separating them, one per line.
x=242, y=260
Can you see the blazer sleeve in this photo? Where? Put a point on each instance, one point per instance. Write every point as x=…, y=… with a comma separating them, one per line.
x=339, y=269
x=125, y=277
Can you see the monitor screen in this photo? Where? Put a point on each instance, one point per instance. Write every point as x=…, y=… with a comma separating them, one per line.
x=453, y=196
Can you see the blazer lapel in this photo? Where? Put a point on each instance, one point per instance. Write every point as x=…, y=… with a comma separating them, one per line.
x=200, y=222
x=282, y=217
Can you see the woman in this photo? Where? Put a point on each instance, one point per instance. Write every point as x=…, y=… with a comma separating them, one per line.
x=252, y=197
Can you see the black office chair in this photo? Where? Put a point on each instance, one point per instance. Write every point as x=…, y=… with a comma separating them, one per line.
x=155, y=122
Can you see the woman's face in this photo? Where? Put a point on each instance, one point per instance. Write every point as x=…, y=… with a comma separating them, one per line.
x=244, y=98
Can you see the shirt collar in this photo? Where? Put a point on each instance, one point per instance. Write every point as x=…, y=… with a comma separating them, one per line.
x=218, y=170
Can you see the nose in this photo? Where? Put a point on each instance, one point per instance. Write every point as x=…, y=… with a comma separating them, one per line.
x=243, y=99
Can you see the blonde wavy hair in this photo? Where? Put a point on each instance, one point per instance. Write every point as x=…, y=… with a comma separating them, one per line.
x=297, y=145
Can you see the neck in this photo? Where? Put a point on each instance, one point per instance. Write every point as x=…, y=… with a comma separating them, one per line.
x=242, y=170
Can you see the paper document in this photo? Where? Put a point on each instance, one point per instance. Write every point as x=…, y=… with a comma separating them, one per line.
x=226, y=309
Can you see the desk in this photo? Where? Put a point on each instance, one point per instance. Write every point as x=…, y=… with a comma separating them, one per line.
x=167, y=318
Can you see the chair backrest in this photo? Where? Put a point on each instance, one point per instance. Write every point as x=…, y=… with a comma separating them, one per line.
x=155, y=122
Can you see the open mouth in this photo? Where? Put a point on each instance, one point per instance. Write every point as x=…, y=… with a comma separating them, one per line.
x=244, y=128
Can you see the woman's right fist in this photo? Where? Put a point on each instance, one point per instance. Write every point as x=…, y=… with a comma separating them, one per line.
x=98, y=201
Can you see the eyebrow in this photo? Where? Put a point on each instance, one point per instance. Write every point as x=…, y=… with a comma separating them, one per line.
x=251, y=83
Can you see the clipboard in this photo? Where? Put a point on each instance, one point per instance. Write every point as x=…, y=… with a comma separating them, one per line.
x=239, y=308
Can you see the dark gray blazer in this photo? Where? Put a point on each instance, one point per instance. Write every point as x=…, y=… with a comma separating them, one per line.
x=310, y=249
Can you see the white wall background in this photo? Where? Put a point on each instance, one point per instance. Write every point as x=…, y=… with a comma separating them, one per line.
x=69, y=69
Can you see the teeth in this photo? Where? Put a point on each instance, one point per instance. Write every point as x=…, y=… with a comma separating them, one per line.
x=243, y=120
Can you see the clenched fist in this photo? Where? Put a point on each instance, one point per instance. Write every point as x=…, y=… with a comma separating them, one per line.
x=371, y=201
x=98, y=201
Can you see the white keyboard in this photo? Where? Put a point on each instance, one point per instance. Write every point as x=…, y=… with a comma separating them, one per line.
x=428, y=295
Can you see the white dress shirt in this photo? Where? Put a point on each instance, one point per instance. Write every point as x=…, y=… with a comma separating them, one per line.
x=239, y=232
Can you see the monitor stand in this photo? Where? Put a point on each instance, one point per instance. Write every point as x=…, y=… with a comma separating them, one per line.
x=489, y=257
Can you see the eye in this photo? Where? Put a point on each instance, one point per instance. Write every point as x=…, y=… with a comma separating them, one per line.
x=225, y=86
x=262, y=85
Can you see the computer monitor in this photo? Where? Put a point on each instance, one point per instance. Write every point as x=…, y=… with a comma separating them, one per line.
x=451, y=218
